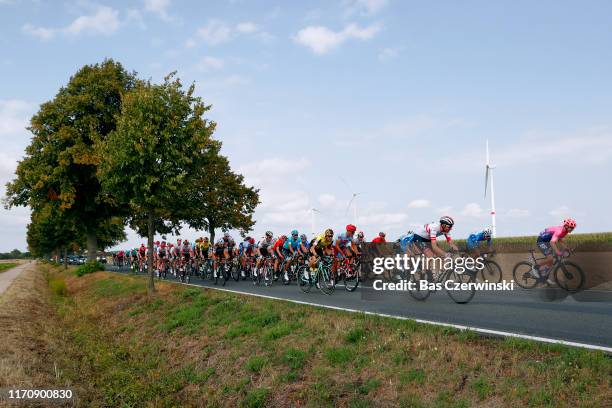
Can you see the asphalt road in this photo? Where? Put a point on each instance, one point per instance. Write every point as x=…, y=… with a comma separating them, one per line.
x=549, y=314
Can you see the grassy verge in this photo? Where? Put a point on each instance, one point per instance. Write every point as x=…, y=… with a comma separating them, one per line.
x=184, y=346
x=6, y=266
x=600, y=241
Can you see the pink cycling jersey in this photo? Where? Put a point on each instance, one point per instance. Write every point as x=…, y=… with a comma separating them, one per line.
x=553, y=234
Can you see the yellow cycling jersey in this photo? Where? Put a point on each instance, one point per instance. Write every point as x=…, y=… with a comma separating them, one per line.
x=204, y=245
x=321, y=242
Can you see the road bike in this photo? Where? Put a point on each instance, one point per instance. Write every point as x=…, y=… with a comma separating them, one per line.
x=566, y=274
x=321, y=277
x=423, y=282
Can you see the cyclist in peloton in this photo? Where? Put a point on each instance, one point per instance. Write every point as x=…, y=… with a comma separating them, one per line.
x=425, y=238
x=264, y=250
x=224, y=248
x=321, y=245
x=548, y=241
x=277, y=253
x=304, y=248
x=474, y=240
x=246, y=250
x=291, y=248
x=344, y=242
x=358, y=243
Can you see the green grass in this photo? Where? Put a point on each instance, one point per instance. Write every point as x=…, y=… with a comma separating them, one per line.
x=600, y=241
x=182, y=346
x=5, y=266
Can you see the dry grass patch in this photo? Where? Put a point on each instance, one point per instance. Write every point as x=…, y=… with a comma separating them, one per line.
x=186, y=345
x=26, y=320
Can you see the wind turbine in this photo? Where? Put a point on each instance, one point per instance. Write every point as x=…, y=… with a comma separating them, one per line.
x=354, y=202
x=489, y=174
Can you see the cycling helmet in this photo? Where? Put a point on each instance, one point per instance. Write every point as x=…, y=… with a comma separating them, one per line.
x=294, y=233
x=381, y=234
x=360, y=234
x=269, y=234
x=185, y=242
x=205, y=239
x=487, y=231
x=569, y=223
x=283, y=237
x=351, y=228
x=141, y=245
x=303, y=237
x=156, y=242
x=252, y=241
x=329, y=231
x=226, y=235
x=446, y=220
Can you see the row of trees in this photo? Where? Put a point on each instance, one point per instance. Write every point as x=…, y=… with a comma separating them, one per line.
x=112, y=150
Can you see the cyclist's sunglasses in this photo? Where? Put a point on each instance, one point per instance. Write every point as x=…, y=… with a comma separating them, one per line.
x=329, y=235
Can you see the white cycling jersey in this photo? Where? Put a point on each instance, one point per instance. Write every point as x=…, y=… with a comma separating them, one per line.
x=431, y=232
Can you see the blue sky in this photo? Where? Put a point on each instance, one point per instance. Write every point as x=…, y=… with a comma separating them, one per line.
x=391, y=99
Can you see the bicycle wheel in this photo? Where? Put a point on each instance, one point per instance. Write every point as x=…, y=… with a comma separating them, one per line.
x=569, y=276
x=268, y=275
x=491, y=272
x=235, y=271
x=325, y=280
x=351, y=277
x=417, y=291
x=522, y=275
x=217, y=273
x=304, y=278
x=454, y=285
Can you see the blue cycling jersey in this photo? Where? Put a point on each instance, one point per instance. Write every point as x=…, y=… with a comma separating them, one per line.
x=295, y=243
x=474, y=239
x=344, y=240
x=405, y=240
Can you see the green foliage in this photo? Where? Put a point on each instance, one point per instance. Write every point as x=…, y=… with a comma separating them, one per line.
x=256, y=398
x=57, y=177
x=255, y=364
x=89, y=267
x=295, y=358
x=15, y=254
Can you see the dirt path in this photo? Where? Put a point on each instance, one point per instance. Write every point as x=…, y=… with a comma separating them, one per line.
x=6, y=278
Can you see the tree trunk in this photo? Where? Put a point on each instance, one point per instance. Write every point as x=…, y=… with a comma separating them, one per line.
x=92, y=246
x=211, y=229
x=151, y=235
x=65, y=258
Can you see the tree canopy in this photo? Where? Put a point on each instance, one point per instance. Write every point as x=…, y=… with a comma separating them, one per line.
x=60, y=164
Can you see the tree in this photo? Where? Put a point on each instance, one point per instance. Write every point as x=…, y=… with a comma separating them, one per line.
x=220, y=199
x=49, y=231
x=60, y=164
x=151, y=157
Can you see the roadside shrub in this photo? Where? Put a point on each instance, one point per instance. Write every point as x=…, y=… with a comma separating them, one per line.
x=58, y=286
x=89, y=267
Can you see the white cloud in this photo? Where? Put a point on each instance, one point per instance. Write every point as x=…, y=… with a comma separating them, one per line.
x=591, y=145
x=159, y=7
x=560, y=212
x=208, y=63
x=364, y=7
x=14, y=116
x=214, y=33
x=472, y=210
x=40, y=32
x=517, y=213
x=382, y=220
x=419, y=204
x=321, y=39
x=328, y=200
x=387, y=54
x=268, y=171
x=104, y=21
x=247, y=27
